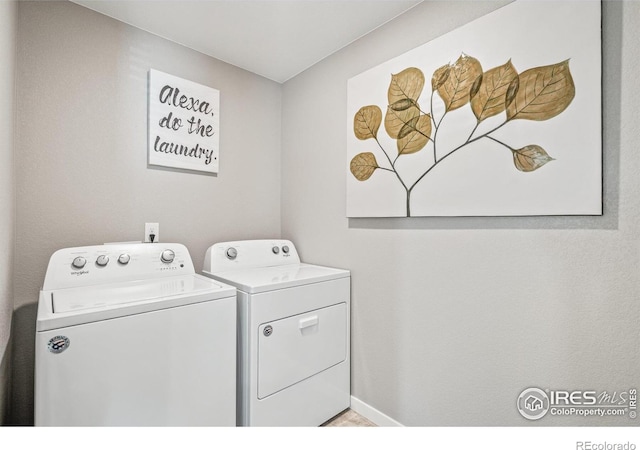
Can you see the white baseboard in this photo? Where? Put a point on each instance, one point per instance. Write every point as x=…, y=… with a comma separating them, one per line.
x=375, y=416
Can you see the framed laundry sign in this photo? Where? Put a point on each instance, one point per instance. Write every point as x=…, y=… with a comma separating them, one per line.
x=184, y=124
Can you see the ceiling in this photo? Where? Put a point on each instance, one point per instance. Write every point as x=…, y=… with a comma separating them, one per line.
x=276, y=39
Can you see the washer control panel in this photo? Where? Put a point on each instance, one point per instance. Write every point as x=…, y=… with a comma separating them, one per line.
x=246, y=254
x=109, y=263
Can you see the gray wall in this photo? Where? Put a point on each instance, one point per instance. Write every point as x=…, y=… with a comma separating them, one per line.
x=81, y=172
x=8, y=32
x=454, y=317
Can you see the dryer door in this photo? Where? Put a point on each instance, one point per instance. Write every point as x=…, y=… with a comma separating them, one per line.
x=298, y=347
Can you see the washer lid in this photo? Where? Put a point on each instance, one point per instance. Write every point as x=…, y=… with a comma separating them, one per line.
x=263, y=279
x=73, y=306
x=112, y=295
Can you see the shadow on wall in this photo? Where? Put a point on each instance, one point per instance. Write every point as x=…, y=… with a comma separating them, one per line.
x=23, y=331
x=5, y=376
x=608, y=221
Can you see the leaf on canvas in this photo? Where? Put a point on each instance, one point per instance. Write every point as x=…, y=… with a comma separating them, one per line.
x=489, y=92
x=402, y=105
x=367, y=121
x=404, y=90
x=414, y=135
x=395, y=120
x=514, y=86
x=363, y=165
x=455, y=90
x=440, y=76
x=405, y=85
x=409, y=127
x=530, y=158
x=543, y=93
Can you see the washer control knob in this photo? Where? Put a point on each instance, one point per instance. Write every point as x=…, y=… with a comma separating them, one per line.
x=232, y=253
x=285, y=249
x=275, y=249
x=167, y=256
x=78, y=262
x=102, y=260
x=124, y=259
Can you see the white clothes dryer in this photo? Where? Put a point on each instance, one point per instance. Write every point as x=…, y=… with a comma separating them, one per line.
x=130, y=335
x=293, y=333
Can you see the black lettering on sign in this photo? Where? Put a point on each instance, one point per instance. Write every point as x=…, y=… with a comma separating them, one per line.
x=170, y=122
x=183, y=123
x=171, y=95
x=182, y=150
x=202, y=130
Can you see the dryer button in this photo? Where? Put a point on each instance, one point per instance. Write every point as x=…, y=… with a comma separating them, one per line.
x=275, y=249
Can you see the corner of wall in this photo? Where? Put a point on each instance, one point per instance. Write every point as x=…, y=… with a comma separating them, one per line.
x=8, y=56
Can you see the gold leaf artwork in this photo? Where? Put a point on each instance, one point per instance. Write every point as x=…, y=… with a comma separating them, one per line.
x=540, y=93
x=367, y=122
x=407, y=84
x=395, y=121
x=489, y=97
x=543, y=93
x=440, y=76
x=455, y=90
x=363, y=165
x=530, y=158
x=404, y=90
x=415, y=135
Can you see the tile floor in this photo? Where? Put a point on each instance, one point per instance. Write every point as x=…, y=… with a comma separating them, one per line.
x=349, y=418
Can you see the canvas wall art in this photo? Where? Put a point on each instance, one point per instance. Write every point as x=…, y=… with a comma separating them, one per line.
x=184, y=124
x=501, y=117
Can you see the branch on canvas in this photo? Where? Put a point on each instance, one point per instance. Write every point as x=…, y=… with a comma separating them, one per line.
x=538, y=94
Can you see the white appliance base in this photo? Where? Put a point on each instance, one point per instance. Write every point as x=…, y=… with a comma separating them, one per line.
x=310, y=402
x=171, y=367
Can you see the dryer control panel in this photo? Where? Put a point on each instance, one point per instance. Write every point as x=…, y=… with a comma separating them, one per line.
x=234, y=255
x=109, y=263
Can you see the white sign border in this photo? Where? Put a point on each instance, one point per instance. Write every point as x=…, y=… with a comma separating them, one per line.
x=190, y=152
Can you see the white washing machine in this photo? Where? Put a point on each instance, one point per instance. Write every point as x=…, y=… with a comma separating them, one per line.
x=293, y=333
x=130, y=335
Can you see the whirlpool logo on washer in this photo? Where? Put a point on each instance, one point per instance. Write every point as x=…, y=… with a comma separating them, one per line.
x=79, y=272
x=58, y=344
